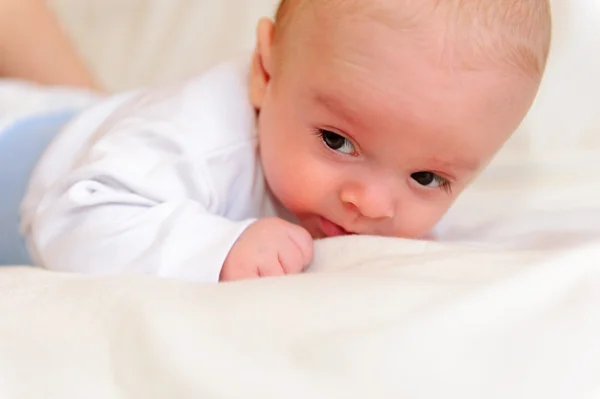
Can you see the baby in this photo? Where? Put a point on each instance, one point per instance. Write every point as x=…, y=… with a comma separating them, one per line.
x=353, y=117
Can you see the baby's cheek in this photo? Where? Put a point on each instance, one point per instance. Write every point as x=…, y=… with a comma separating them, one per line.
x=419, y=219
x=298, y=189
x=305, y=188
x=283, y=180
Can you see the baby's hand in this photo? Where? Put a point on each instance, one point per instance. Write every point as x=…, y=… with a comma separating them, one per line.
x=268, y=247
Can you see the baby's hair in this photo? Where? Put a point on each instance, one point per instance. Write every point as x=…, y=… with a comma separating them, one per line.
x=282, y=10
x=517, y=32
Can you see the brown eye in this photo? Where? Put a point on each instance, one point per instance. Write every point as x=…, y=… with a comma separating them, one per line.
x=428, y=179
x=337, y=142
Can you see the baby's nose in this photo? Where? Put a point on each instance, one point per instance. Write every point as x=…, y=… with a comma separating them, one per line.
x=374, y=200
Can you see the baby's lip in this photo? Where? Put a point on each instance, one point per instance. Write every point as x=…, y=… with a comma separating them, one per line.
x=331, y=229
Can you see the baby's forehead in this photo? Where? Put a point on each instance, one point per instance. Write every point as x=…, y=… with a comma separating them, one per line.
x=291, y=10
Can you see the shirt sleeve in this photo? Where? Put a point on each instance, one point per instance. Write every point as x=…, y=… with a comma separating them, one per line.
x=138, y=200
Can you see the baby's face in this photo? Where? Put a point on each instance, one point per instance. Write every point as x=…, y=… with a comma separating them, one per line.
x=367, y=130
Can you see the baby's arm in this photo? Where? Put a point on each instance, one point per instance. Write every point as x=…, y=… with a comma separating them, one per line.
x=138, y=201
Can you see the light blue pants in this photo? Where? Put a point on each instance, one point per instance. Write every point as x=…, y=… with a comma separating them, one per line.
x=21, y=146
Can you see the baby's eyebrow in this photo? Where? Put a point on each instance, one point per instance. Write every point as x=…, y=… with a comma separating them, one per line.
x=457, y=165
x=336, y=107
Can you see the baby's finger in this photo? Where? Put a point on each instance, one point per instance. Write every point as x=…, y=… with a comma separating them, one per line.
x=271, y=269
x=291, y=258
x=303, y=242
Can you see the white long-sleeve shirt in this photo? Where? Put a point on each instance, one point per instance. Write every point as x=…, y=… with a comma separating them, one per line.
x=159, y=182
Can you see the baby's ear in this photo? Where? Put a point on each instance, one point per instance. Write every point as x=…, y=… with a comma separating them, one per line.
x=262, y=62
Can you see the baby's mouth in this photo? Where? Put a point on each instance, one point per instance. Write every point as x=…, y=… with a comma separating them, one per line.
x=331, y=229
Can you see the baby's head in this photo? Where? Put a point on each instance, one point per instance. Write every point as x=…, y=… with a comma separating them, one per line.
x=374, y=115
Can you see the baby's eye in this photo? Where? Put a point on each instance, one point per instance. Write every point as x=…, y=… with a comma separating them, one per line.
x=430, y=180
x=337, y=142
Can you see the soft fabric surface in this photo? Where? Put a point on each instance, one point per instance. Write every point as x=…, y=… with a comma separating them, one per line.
x=507, y=307
x=21, y=145
x=438, y=322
